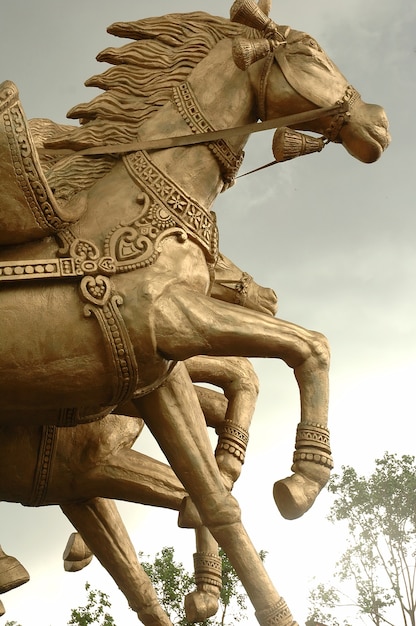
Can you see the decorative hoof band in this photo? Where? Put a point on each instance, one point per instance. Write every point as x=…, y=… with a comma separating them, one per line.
x=277, y=615
x=77, y=554
x=203, y=603
x=312, y=464
x=12, y=573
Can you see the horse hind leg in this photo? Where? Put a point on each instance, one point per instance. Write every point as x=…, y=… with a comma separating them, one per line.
x=100, y=525
x=174, y=416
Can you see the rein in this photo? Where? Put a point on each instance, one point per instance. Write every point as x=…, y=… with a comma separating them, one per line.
x=198, y=138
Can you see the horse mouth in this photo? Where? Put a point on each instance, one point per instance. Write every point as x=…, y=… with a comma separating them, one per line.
x=367, y=142
x=367, y=138
x=380, y=134
x=378, y=141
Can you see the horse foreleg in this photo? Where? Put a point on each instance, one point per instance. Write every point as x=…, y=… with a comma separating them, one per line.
x=236, y=376
x=100, y=525
x=230, y=414
x=202, y=603
x=174, y=416
x=217, y=328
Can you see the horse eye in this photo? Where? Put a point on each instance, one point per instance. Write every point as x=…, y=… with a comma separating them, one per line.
x=313, y=44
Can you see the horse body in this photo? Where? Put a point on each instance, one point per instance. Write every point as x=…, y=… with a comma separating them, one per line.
x=144, y=252
x=154, y=295
x=75, y=363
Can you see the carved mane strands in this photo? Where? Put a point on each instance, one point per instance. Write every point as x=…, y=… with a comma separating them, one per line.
x=162, y=54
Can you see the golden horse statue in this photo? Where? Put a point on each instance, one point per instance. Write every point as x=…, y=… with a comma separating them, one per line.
x=109, y=314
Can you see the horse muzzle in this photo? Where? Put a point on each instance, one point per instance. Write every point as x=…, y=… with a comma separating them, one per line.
x=366, y=134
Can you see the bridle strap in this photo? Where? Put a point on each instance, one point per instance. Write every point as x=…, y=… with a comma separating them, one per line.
x=349, y=99
x=264, y=81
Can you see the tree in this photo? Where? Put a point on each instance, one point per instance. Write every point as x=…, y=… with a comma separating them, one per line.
x=379, y=564
x=94, y=612
x=172, y=583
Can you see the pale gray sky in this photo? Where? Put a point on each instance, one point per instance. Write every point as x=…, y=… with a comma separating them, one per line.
x=332, y=236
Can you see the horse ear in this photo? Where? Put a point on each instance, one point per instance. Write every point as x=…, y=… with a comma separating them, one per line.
x=265, y=6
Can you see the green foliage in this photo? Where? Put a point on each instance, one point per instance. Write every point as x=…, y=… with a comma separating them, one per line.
x=94, y=612
x=172, y=583
x=380, y=560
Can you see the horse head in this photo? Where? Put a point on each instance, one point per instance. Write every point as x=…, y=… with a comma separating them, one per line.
x=292, y=73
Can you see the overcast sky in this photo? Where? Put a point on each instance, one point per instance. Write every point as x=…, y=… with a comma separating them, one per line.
x=332, y=236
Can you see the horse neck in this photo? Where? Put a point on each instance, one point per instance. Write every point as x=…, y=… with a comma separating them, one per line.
x=224, y=96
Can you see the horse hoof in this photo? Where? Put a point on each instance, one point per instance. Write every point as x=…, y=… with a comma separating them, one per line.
x=76, y=549
x=12, y=573
x=200, y=605
x=77, y=566
x=2, y=609
x=188, y=514
x=295, y=495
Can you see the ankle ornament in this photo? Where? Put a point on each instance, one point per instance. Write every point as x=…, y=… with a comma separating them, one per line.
x=208, y=569
x=312, y=444
x=233, y=439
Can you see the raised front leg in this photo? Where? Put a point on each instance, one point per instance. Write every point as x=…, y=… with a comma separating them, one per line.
x=236, y=376
x=102, y=528
x=217, y=328
x=202, y=603
x=175, y=418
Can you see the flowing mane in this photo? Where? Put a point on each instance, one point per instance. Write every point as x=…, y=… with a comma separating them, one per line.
x=163, y=52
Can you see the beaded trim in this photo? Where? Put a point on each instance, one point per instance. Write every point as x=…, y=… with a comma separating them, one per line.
x=84, y=258
x=349, y=98
x=208, y=569
x=28, y=172
x=277, y=615
x=103, y=304
x=188, y=107
x=96, y=290
x=169, y=203
x=43, y=466
x=233, y=439
x=68, y=417
x=312, y=444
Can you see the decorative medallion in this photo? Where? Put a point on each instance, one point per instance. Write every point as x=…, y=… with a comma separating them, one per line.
x=167, y=210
